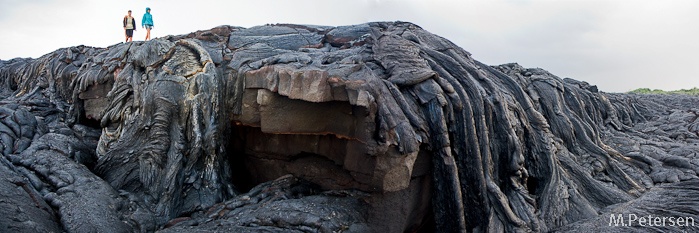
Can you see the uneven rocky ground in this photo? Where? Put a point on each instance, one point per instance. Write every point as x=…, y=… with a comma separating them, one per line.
x=379, y=127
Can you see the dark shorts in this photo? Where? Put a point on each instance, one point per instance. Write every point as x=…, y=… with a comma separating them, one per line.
x=129, y=32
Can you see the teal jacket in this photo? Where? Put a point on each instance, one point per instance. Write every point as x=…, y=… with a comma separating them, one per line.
x=147, y=19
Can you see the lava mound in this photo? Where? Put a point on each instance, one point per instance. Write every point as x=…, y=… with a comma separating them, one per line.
x=378, y=127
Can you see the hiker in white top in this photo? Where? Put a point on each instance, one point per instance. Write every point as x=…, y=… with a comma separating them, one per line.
x=129, y=26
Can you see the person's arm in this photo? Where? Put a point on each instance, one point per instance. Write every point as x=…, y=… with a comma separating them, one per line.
x=143, y=21
x=133, y=22
x=124, y=22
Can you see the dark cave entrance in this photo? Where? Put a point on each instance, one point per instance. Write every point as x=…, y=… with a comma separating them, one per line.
x=90, y=122
x=256, y=157
x=241, y=177
x=532, y=185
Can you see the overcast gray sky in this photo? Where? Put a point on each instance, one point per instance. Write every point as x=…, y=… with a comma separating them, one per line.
x=619, y=45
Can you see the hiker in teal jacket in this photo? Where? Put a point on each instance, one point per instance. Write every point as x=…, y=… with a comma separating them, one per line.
x=147, y=22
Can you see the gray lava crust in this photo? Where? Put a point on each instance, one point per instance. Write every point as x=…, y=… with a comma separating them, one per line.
x=378, y=127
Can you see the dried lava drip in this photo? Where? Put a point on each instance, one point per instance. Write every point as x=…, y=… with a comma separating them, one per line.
x=375, y=122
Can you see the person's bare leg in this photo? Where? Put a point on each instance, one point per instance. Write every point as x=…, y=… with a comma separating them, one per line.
x=147, y=34
x=127, y=36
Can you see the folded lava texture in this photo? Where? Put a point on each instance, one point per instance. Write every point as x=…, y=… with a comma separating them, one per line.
x=378, y=127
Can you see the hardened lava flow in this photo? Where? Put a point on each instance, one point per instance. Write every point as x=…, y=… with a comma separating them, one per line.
x=378, y=127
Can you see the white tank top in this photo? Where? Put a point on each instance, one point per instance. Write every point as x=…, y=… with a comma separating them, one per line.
x=129, y=22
